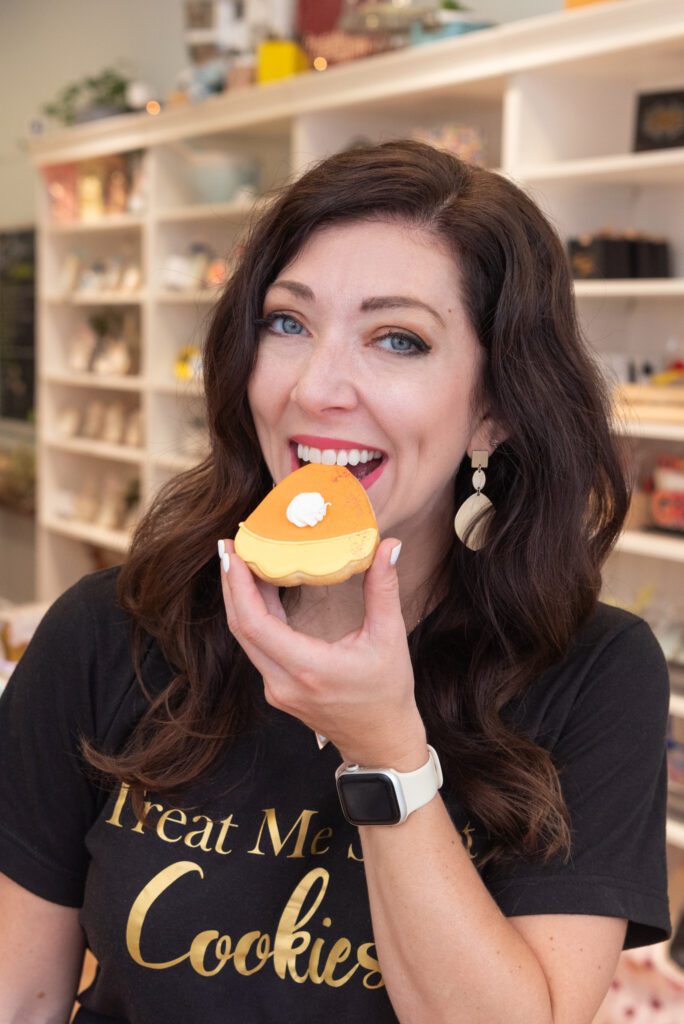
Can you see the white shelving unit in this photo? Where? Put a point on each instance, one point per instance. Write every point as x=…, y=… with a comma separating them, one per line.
x=555, y=97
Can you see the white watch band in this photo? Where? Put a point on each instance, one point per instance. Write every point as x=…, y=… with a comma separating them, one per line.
x=421, y=785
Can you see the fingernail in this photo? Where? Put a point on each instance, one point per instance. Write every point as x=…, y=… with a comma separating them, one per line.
x=225, y=560
x=396, y=551
x=221, y=548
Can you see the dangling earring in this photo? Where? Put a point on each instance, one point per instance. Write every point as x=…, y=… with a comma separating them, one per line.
x=475, y=504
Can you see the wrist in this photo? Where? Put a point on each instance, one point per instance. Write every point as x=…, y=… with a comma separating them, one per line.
x=404, y=757
x=375, y=795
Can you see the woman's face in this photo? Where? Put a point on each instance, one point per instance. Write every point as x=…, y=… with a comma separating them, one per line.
x=368, y=350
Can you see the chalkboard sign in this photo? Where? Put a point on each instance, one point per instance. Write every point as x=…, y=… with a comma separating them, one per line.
x=17, y=324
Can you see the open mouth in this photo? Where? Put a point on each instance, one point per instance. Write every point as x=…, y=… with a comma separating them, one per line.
x=366, y=469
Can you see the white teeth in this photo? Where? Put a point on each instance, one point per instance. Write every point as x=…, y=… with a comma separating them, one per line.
x=341, y=457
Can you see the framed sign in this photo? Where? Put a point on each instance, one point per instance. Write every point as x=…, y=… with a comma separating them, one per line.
x=17, y=324
x=659, y=121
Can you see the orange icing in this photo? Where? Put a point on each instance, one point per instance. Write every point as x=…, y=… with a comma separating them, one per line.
x=349, y=511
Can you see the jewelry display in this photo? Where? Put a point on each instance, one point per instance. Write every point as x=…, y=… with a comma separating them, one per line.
x=112, y=510
x=473, y=506
x=69, y=421
x=113, y=357
x=133, y=431
x=87, y=502
x=84, y=274
x=114, y=423
x=93, y=423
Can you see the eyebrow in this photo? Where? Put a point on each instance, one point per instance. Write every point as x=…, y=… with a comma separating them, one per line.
x=302, y=291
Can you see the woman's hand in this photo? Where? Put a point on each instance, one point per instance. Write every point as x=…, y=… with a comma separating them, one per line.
x=357, y=691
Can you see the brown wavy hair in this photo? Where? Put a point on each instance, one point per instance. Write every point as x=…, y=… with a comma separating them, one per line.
x=558, y=483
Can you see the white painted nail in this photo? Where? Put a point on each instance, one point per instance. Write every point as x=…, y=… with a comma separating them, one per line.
x=225, y=560
x=221, y=548
x=396, y=551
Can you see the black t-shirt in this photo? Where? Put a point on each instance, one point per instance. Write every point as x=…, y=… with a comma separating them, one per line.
x=248, y=901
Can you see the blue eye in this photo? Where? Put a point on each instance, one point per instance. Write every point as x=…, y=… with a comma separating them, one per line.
x=408, y=344
x=289, y=324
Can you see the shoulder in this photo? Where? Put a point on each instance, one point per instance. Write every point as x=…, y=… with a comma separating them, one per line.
x=92, y=598
x=613, y=670
x=79, y=659
x=617, y=641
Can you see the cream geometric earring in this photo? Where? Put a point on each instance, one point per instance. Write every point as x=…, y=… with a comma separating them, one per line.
x=474, y=505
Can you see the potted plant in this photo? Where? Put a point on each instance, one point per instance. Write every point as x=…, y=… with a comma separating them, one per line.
x=90, y=98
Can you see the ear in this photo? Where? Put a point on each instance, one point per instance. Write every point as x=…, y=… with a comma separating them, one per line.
x=488, y=435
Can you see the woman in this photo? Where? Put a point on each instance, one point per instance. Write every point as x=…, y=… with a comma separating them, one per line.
x=392, y=301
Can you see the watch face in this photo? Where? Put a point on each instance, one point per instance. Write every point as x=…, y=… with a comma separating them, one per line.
x=368, y=799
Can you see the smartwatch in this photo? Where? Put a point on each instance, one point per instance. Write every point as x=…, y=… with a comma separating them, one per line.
x=383, y=796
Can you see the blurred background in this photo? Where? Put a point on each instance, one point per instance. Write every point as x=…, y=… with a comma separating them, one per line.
x=135, y=140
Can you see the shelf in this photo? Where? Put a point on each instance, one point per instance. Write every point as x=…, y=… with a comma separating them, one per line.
x=177, y=463
x=97, y=299
x=637, y=288
x=180, y=388
x=101, y=449
x=92, y=380
x=675, y=832
x=631, y=427
x=474, y=66
x=209, y=211
x=652, y=545
x=203, y=295
x=124, y=222
x=677, y=705
x=663, y=166
x=114, y=540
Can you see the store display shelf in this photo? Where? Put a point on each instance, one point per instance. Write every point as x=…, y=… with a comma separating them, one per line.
x=202, y=295
x=677, y=705
x=176, y=463
x=632, y=427
x=675, y=832
x=91, y=380
x=474, y=66
x=205, y=211
x=121, y=222
x=97, y=299
x=651, y=545
x=632, y=288
x=101, y=449
x=180, y=388
x=664, y=166
x=113, y=540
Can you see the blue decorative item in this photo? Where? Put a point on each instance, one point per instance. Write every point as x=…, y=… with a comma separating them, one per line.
x=420, y=35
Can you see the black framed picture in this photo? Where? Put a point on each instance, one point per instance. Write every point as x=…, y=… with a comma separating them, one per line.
x=659, y=121
x=17, y=324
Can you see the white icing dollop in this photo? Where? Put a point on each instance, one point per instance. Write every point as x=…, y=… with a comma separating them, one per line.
x=307, y=509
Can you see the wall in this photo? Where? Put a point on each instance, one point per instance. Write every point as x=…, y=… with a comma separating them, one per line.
x=43, y=46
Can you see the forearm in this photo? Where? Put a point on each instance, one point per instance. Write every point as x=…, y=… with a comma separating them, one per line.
x=446, y=951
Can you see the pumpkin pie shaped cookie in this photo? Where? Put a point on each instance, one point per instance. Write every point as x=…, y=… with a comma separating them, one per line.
x=317, y=527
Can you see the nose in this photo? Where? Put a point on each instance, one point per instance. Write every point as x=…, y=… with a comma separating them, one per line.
x=326, y=379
